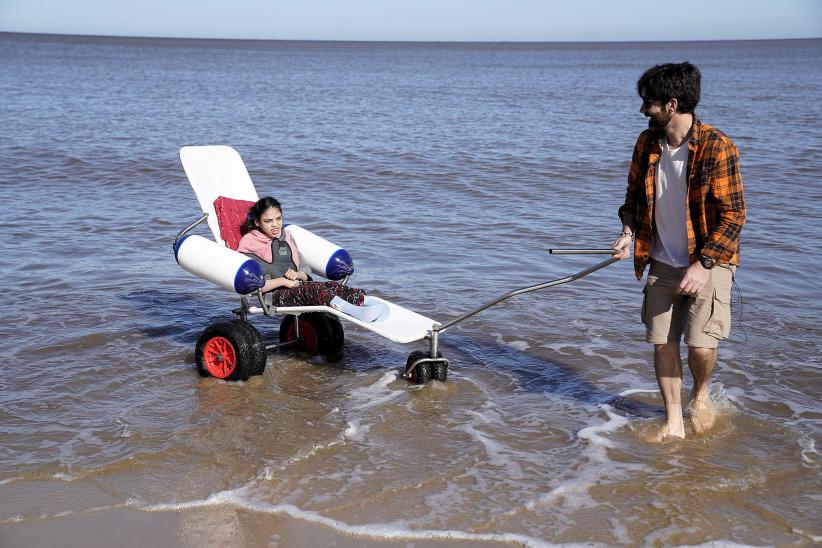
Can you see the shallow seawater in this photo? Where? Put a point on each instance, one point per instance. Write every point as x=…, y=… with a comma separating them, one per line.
x=447, y=171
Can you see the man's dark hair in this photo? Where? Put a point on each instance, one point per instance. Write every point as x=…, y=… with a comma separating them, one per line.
x=680, y=81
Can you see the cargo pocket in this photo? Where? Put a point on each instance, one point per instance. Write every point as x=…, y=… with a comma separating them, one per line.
x=643, y=313
x=718, y=325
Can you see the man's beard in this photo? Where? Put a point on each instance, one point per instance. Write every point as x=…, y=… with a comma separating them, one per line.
x=655, y=125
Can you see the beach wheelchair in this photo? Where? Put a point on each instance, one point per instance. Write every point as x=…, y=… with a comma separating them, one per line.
x=235, y=350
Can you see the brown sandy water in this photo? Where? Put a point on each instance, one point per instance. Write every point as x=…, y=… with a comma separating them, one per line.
x=447, y=171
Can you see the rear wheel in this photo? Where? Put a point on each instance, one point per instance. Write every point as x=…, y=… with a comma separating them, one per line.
x=316, y=334
x=258, y=347
x=335, y=349
x=225, y=351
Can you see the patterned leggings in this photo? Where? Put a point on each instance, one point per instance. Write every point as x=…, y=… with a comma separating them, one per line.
x=316, y=294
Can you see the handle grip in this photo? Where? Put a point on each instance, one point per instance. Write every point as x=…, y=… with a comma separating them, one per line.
x=581, y=251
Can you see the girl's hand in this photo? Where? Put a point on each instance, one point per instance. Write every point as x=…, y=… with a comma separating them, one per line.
x=271, y=285
x=296, y=275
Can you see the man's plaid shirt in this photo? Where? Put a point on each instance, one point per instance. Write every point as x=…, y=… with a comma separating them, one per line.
x=714, y=202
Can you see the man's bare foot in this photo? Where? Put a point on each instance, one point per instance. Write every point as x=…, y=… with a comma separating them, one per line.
x=703, y=415
x=658, y=435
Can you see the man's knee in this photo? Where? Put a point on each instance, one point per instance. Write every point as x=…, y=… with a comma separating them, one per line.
x=667, y=362
x=666, y=350
x=701, y=353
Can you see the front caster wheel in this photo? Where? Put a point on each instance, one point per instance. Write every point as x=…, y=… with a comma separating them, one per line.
x=420, y=374
x=439, y=371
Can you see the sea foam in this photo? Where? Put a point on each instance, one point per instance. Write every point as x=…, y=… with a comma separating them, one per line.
x=397, y=530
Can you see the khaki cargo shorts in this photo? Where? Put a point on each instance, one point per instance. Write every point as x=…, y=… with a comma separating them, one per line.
x=704, y=320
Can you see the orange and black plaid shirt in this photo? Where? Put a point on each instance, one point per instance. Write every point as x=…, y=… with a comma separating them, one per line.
x=715, y=203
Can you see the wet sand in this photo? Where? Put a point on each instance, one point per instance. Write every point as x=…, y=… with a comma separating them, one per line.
x=214, y=526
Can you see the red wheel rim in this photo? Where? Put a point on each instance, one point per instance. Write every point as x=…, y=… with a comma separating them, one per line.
x=219, y=357
x=310, y=341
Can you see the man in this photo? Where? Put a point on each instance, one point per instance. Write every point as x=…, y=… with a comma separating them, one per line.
x=685, y=209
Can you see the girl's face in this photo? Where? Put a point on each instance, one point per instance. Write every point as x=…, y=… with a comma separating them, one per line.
x=270, y=222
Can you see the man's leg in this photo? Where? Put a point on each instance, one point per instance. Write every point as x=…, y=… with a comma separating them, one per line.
x=709, y=321
x=668, y=367
x=701, y=362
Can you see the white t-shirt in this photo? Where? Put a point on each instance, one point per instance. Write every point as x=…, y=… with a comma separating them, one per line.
x=670, y=234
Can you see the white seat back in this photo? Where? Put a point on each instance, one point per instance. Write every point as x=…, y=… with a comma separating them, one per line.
x=215, y=171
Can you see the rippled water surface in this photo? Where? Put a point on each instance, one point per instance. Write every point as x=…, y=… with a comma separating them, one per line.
x=447, y=171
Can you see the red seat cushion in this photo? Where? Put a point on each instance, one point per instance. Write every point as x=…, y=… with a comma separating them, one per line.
x=231, y=215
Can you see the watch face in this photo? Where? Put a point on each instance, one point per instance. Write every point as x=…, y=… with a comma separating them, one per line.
x=707, y=262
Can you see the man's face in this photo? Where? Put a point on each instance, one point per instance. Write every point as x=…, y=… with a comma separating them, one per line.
x=657, y=112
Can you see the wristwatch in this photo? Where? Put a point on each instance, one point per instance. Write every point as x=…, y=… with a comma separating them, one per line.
x=707, y=262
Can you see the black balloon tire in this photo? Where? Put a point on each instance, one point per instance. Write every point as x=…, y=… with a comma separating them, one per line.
x=241, y=344
x=440, y=370
x=335, y=349
x=422, y=373
x=318, y=335
x=259, y=349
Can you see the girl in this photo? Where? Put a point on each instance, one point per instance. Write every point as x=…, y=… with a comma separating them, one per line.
x=288, y=276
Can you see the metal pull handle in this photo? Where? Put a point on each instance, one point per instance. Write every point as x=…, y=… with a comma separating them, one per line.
x=581, y=251
x=611, y=260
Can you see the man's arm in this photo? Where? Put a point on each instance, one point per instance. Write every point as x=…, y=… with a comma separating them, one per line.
x=622, y=246
x=723, y=241
x=726, y=187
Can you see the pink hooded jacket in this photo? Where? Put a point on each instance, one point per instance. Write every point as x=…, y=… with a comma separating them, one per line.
x=260, y=245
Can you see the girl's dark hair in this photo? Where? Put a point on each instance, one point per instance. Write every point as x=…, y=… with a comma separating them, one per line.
x=256, y=211
x=680, y=81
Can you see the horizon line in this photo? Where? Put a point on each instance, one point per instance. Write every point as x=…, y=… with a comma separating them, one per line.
x=375, y=41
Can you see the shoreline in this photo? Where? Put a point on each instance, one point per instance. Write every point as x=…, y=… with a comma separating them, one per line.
x=222, y=525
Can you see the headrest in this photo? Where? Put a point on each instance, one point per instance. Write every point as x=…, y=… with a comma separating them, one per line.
x=231, y=215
